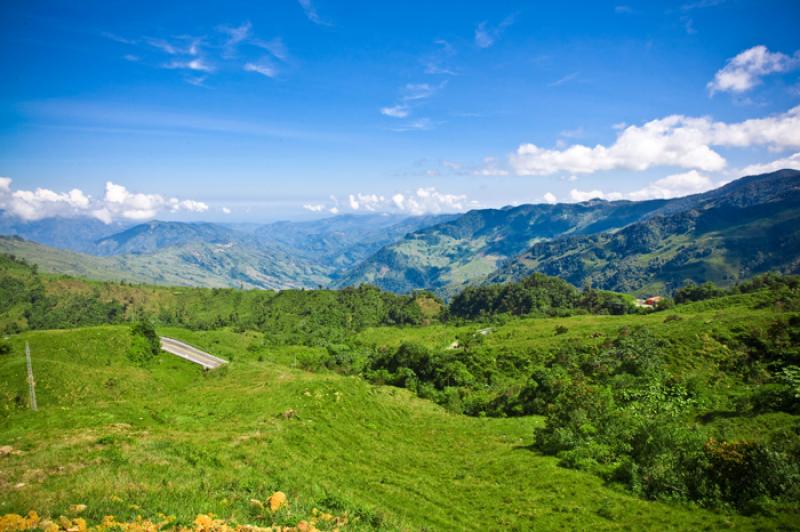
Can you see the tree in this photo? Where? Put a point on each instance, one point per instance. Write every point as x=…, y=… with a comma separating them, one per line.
x=145, y=343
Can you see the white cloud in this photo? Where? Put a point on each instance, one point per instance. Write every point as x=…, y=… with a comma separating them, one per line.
x=42, y=202
x=396, y=111
x=367, y=202
x=743, y=72
x=187, y=205
x=580, y=195
x=424, y=200
x=103, y=215
x=311, y=12
x=792, y=162
x=117, y=202
x=565, y=79
x=674, y=140
x=263, y=68
x=489, y=168
x=313, y=207
x=421, y=91
x=274, y=46
x=226, y=210
x=195, y=64
x=674, y=186
x=486, y=36
x=550, y=198
x=430, y=200
x=435, y=63
x=420, y=124
x=236, y=35
x=411, y=94
x=163, y=45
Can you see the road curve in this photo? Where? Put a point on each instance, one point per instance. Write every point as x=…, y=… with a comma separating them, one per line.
x=192, y=354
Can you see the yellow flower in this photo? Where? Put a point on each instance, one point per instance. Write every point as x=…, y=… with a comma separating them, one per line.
x=12, y=523
x=277, y=501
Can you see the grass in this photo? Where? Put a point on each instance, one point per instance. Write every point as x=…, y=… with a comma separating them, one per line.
x=129, y=440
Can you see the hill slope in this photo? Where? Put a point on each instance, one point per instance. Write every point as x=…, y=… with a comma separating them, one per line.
x=749, y=226
x=466, y=250
x=279, y=255
x=212, y=443
x=157, y=235
x=342, y=241
x=733, y=232
x=74, y=234
x=230, y=264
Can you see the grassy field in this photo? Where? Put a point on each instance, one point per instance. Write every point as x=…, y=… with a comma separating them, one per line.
x=167, y=438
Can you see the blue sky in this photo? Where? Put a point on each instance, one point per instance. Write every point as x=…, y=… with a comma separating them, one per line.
x=291, y=109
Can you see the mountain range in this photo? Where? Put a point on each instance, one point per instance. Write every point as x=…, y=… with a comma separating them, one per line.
x=746, y=227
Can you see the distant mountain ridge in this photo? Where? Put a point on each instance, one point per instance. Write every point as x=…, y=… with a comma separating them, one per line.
x=272, y=256
x=749, y=226
x=195, y=264
x=468, y=249
x=75, y=234
x=484, y=245
x=746, y=227
x=156, y=235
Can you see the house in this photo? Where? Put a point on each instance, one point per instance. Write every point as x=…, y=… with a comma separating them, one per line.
x=649, y=302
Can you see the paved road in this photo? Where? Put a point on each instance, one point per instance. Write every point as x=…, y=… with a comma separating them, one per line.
x=192, y=354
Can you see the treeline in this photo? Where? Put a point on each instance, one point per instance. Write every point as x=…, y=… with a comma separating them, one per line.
x=29, y=300
x=780, y=284
x=537, y=294
x=306, y=317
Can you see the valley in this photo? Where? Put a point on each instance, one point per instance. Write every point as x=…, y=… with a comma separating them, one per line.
x=742, y=229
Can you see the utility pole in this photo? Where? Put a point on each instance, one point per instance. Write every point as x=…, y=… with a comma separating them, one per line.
x=31, y=382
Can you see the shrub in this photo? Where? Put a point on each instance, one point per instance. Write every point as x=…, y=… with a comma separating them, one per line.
x=743, y=472
x=693, y=292
x=145, y=343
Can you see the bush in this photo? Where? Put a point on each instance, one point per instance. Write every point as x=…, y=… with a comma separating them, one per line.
x=145, y=342
x=744, y=472
x=693, y=292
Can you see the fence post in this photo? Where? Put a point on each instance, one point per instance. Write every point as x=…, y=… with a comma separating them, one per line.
x=31, y=382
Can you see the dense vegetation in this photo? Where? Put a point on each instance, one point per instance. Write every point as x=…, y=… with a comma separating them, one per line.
x=536, y=294
x=616, y=409
x=166, y=442
x=697, y=403
x=305, y=317
x=694, y=403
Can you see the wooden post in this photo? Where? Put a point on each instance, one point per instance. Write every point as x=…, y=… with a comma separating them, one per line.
x=31, y=382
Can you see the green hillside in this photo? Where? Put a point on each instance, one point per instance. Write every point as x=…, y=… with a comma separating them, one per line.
x=747, y=227
x=450, y=255
x=557, y=408
x=197, y=443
